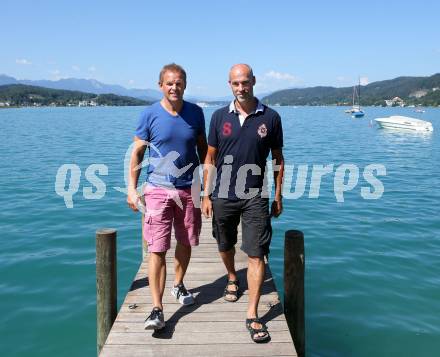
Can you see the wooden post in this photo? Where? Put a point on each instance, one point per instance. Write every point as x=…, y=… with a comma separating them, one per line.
x=294, y=264
x=106, y=283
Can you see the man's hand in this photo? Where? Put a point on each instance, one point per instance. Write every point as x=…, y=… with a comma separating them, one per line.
x=133, y=199
x=207, y=207
x=277, y=207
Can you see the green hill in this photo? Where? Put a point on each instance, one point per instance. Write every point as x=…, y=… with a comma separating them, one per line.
x=20, y=95
x=413, y=90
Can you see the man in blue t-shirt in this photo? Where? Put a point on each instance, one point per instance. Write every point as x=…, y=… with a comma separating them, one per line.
x=240, y=138
x=174, y=132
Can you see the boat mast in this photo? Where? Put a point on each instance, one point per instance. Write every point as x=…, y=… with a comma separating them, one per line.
x=354, y=93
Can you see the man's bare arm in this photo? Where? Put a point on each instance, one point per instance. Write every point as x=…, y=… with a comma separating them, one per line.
x=208, y=180
x=137, y=155
x=278, y=174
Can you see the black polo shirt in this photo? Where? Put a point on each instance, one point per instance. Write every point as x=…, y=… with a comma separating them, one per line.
x=249, y=144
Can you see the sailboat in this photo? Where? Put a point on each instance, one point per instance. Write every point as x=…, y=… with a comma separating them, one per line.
x=355, y=110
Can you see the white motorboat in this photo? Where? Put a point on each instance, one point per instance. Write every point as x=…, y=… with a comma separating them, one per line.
x=406, y=123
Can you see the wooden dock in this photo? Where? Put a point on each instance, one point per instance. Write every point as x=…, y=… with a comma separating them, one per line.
x=211, y=327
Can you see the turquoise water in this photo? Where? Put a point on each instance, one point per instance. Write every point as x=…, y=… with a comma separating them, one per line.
x=372, y=266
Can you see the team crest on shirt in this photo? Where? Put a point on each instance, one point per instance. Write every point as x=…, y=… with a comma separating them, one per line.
x=262, y=130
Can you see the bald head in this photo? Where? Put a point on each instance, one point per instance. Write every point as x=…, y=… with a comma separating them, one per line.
x=242, y=81
x=241, y=69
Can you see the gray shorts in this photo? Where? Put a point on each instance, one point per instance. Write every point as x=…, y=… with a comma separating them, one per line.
x=255, y=225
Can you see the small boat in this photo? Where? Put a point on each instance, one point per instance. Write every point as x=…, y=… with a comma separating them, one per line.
x=406, y=123
x=354, y=108
x=356, y=111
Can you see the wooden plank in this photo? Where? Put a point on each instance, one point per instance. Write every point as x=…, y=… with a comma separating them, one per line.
x=135, y=298
x=145, y=307
x=197, y=326
x=167, y=336
x=206, y=289
x=212, y=326
x=200, y=317
x=212, y=350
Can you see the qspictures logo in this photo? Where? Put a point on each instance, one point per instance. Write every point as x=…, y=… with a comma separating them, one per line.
x=345, y=177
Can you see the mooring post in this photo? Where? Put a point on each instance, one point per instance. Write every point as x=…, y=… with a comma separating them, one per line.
x=106, y=283
x=294, y=263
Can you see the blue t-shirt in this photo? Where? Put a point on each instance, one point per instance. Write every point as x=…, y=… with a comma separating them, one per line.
x=172, y=139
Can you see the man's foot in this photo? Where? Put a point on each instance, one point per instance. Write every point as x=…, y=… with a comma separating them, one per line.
x=183, y=295
x=258, y=330
x=155, y=321
x=230, y=293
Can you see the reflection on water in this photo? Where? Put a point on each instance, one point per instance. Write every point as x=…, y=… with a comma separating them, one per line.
x=405, y=134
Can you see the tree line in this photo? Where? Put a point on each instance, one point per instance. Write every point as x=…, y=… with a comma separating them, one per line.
x=25, y=95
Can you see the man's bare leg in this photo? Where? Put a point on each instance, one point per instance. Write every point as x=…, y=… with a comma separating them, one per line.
x=255, y=278
x=157, y=273
x=182, y=256
x=228, y=258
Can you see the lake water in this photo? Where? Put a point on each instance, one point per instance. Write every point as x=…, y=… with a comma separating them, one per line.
x=372, y=266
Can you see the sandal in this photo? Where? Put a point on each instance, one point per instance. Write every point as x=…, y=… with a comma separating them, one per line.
x=233, y=293
x=255, y=331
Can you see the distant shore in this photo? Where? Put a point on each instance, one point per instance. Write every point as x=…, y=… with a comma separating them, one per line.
x=216, y=105
x=19, y=95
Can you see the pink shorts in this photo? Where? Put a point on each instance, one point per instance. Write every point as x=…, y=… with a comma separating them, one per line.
x=166, y=208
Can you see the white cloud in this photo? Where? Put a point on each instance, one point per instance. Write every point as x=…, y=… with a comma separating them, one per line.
x=56, y=74
x=364, y=81
x=280, y=76
x=341, y=79
x=76, y=68
x=274, y=80
x=92, y=69
x=131, y=81
x=23, y=61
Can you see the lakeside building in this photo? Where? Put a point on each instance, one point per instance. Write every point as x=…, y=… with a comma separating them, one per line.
x=395, y=102
x=87, y=103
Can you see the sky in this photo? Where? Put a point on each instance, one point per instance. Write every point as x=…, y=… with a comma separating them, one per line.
x=288, y=43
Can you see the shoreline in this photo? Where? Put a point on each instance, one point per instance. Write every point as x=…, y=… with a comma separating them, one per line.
x=270, y=105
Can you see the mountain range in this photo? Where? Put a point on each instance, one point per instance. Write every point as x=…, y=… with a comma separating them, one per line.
x=412, y=90
x=94, y=86
x=86, y=85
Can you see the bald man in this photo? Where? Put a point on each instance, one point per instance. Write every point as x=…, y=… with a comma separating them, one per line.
x=241, y=135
